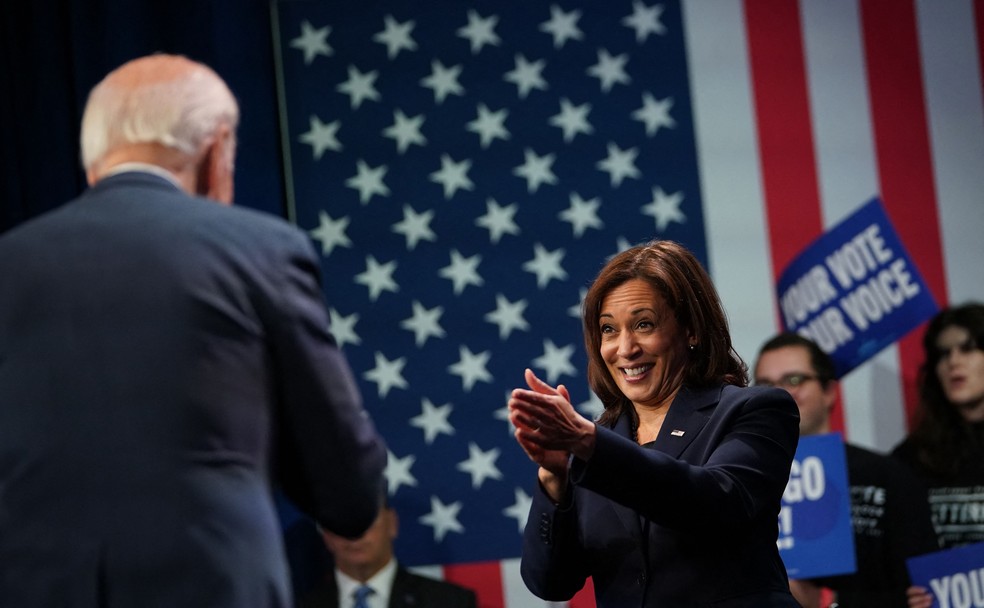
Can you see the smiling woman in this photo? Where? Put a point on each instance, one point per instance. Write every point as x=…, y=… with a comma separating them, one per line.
x=644, y=350
x=678, y=516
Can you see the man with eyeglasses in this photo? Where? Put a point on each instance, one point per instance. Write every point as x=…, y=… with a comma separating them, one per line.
x=890, y=513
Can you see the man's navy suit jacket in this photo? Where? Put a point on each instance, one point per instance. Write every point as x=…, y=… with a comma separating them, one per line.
x=409, y=591
x=163, y=360
x=690, y=522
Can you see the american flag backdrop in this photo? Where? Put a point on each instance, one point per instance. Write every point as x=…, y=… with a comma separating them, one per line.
x=466, y=168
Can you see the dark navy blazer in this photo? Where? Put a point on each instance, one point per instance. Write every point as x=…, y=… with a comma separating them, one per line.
x=409, y=591
x=690, y=520
x=163, y=360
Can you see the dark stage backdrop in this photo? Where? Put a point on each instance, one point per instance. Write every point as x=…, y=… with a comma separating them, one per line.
x=53, y=51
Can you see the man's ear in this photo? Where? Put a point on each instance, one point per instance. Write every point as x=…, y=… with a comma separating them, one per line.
x=215, y=171
x=394, y=524
x=830, y=394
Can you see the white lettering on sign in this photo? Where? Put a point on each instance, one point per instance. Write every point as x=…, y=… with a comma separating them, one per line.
x=807, y=481
x=859, y=256
x=873, y=279
x=807, y=295
x=828, y=329
x=785, y=540
x=881, y=294
x=961, y=590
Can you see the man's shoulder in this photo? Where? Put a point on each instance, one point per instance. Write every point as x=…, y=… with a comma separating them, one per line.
x=240, y=226
x=151, y=201
x=259, y=220
x=123, y=185
x=324, y=595
x=429, y=591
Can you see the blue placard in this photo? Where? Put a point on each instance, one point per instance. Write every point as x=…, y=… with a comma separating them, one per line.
x=854, y=290
x=815, y=533
x=955, y=577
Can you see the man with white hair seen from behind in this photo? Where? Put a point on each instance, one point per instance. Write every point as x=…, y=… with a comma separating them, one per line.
x=164, y=361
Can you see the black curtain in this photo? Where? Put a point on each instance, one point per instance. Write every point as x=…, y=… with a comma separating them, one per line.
x=53, y=51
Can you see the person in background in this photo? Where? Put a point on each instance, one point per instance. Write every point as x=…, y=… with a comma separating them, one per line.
x=165, y=360
x=946, y=446
x=366, y=571
x=889, y=512
x=672, y=497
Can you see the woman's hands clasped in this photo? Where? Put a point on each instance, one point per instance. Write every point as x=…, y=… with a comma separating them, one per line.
x=549, y=429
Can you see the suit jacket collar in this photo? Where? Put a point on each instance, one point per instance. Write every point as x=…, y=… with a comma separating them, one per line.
x=136, y=167
x=406, y=591
x=683, y=420
x=142, y=179
x=403, y=594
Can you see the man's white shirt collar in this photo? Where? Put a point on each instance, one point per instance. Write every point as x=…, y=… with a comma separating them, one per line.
x=142, y=168
x=381, y=583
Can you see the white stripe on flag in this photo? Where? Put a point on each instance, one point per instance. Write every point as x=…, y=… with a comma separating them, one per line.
x=948, y=44
x=436, y=572
x=731, y=185
x=848, y=178
x=839, y=105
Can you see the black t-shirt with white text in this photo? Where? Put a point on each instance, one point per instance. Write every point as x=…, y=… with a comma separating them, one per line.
x=891, y=521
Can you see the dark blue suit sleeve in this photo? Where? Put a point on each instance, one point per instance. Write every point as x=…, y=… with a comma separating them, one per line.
x=720, y=492
x=736, y=468
x=552, y=567
x=330, y=459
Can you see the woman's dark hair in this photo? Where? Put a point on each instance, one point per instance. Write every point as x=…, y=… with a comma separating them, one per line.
x=687, y=289
x=944, y=442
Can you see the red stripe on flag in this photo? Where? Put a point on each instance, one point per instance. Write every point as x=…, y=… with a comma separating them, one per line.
x=584, y=598
x=785, y=134
x=485, y=578
x=979, y=28
x=905, y=167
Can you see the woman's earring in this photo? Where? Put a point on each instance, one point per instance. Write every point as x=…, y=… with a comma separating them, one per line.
x=693, y=347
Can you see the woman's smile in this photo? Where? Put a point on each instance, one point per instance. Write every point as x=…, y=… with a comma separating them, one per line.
x=643, y=346
x=633, y=374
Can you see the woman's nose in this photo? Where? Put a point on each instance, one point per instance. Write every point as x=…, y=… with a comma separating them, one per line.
x=627, y=344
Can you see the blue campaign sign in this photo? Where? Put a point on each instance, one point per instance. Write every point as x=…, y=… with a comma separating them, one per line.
x=815, y=533
x=854, y=290
x=955, y=577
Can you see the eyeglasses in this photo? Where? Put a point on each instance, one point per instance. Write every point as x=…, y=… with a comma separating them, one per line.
x=787, y=381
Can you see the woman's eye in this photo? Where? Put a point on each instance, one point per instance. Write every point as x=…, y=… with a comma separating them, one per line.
x=607, y=329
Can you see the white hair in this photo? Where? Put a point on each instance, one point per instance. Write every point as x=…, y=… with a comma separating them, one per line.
x=179, y=109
